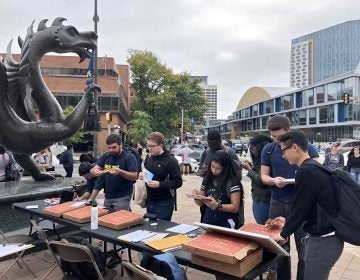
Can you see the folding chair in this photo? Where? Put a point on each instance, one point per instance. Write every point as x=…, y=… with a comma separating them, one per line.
x=72, y=252
x=18, y=254
x=43, y=237
x=133, y=271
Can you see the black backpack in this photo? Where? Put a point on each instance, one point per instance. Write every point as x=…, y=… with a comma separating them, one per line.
x=135, y=153
x=346, y=221
x=84, y=270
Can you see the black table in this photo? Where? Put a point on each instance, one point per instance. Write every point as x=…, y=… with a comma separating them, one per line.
x=110, y=235
x=184, y=258
x=38, y=212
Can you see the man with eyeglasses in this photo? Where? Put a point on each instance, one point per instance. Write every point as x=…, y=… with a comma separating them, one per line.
x=164, y=180
x=313, y=189
x=277, y=173
x=120, y=170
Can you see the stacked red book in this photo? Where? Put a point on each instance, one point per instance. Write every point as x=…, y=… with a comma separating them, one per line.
x=59, y=209
x=82, y=215
x=121, y=219
x=225, y=248
x=256, y=228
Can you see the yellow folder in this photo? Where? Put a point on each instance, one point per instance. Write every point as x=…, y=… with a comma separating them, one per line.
x=168, y=243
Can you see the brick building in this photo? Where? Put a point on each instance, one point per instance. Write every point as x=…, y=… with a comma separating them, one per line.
x=66, y=79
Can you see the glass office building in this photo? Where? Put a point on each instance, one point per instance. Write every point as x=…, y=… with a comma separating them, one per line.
x=325, y=54
x=318, y=110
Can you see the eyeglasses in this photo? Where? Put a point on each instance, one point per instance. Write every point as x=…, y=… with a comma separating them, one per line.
x=283, y=150
x=151, y=146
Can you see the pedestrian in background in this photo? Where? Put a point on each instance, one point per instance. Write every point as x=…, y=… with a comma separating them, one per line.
x=353, y=164
x=42, y=160
x=260, y=192
x=224, y=191
x=4, y=161
x=68, y=160
x=186, y=159
x=334, y=159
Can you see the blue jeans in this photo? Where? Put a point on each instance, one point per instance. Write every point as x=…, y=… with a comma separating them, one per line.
x=278, y=208
x=162, y=208
x=355, y=173
x=261, y=211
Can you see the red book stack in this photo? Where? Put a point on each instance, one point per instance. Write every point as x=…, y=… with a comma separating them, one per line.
x=121, y=219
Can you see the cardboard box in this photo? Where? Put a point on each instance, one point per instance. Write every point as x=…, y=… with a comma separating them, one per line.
x=60, y=209
x=121, y=219
x=224, y=253
x=238, y=269
x=83, y=215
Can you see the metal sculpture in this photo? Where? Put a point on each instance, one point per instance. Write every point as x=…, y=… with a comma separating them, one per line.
x=21, y=85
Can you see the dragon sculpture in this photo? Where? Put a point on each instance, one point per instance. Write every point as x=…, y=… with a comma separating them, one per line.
x=22, y=86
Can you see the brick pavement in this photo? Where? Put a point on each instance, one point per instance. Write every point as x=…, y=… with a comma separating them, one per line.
x=348, y=266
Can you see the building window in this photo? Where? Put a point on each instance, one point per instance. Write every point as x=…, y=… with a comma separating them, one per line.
x=326, y=114
x=308, y=97
x=320, y=94
x=269, y=107
x=287, y=102
x=312, y=116
x=331, y=91
x=302, y=117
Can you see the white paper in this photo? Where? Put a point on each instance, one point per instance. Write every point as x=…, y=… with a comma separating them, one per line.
x=32, y=206
x=7, y=249
x=290, y=181
x=157, y=236
x=182, y=228
x=76, y=204
x=137, y=235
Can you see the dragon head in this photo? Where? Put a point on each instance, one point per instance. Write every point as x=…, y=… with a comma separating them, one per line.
x=59, y=38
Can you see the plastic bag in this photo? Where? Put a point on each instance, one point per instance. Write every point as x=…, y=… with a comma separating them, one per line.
x=54, y=161
x=140, y=193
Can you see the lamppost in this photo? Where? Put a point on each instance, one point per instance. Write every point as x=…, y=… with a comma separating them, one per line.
x=96, y=20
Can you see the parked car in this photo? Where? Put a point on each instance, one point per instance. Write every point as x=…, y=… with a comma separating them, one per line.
x=345, y=146
x=194, y=164
x=239, y=146
x=197, y=150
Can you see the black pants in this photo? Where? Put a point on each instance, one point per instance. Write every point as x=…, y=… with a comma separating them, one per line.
x=69, y=171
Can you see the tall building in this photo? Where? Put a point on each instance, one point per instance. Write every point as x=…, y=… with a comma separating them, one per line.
x=210, y=92
x=325, y=54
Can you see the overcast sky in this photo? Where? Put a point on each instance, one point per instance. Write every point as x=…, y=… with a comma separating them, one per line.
x=238, y=44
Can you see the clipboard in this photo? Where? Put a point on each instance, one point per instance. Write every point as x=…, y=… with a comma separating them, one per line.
x=198, y=196
x=263, y=240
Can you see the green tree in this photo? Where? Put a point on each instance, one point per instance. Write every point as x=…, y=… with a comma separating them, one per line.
x=79, y=136
x=163, y=94
x=140, y=126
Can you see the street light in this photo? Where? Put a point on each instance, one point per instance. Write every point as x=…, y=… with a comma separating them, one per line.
x=96, y=20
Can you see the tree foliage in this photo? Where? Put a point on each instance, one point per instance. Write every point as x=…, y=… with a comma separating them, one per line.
x=79, y=136
x=140, y=126
x=163, y=94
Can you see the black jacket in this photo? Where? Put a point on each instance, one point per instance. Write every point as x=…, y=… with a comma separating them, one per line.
x=312, y=185
x=166, y=170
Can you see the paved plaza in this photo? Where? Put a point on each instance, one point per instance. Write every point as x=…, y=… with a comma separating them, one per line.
x=348, y=266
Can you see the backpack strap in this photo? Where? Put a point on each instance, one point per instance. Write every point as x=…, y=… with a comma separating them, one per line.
x=272, y=148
